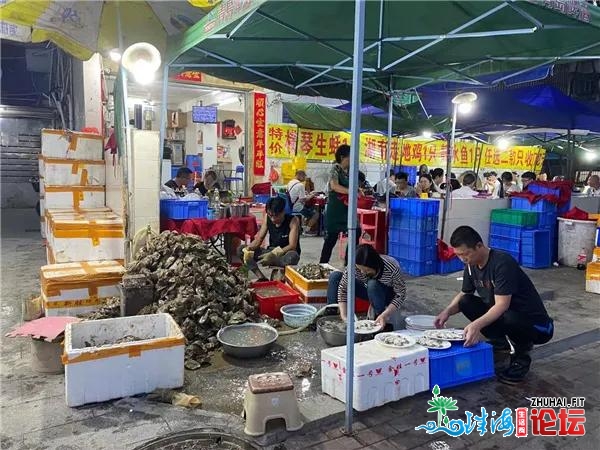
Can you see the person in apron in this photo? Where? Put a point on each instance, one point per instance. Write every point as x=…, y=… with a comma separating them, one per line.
x=284, y=240
x=336, y=215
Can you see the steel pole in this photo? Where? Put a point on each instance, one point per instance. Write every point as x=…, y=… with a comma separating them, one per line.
x=387, y=159
x=448, y=199
x=359, y=30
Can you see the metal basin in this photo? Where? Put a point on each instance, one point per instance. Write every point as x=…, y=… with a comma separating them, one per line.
x=334, y=338
x=247, y=340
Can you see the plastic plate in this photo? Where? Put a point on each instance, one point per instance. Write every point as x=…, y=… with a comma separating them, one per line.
x=383, y=339
x=441, y=345
x=366, y=327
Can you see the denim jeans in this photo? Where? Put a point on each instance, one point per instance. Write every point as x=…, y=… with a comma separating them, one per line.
x=378, y=294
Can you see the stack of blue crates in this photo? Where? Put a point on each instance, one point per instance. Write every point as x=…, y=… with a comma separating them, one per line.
x=412, y=234
x=543, y=190
x=411, y=171
x=507, y=238
x=547, y=220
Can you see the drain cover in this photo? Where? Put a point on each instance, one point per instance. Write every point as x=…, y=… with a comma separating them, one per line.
x=202, y=439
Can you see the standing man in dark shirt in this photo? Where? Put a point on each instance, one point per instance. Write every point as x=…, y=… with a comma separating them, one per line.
x=180, y=182
x=508, y=305
x=284, y=240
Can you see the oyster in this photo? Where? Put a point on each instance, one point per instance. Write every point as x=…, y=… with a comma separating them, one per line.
x=315, y=271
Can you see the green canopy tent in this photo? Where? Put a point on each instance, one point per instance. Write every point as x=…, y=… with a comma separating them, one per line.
x=310, y=48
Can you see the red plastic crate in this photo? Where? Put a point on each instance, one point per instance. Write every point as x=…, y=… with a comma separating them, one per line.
x=271, y=305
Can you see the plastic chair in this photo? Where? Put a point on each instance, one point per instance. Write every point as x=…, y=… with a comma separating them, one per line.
x=227, y=181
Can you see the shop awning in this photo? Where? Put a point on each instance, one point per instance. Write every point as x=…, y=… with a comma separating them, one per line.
x=306, y=47
x=319, y=117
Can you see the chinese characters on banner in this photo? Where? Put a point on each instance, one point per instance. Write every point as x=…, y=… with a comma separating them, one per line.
x=260, y=113
x=193, y=76
x=285, y=141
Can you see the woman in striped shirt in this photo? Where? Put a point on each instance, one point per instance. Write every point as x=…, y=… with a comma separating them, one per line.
x=378, y=279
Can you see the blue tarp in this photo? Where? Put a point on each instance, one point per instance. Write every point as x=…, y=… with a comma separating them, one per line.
x=533, y=107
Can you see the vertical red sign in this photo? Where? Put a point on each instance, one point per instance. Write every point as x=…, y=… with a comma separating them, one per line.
x=260, y=118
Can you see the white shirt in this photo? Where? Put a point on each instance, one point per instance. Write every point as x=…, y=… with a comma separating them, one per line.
x=512, y=188
x=591, y=192
x=494, y=190
x=380, y=188
x=464, y=192
x=297, y=193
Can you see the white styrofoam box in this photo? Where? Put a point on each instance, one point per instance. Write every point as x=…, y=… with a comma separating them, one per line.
x=381, y=374
x=43, y=217
x=72, y=145
x=73, y=172
x=83, y=213
x=74, y=196
x=592, y=286
x=41, y=165
x=73, y=288
x=107, y=371
x=78, y=237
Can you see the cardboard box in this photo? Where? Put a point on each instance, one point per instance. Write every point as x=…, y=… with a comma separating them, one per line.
x=74, y=288
x=72, y=145
x=592, y=277
x=107, y=370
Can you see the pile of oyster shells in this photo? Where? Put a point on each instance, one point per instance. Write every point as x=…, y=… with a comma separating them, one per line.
x=196, y=285
x=314, y=272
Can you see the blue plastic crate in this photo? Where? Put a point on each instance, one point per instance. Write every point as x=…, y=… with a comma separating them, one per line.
x=410, y=253
x=541, y=206
x=415, y=239
x=413, y=224
x=454, y=265
x=459, y=365
x=415, y=207
x=542, y=190
x=547, y=220
x=261, y=198
x=417, y=269
x=509, y=231
x=183, y=209
x=536, y=251
x=512, y=245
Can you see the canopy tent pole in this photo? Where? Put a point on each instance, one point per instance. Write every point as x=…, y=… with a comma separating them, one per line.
x=359, y=30
x=163, y=118
x=126, y=159
x=388, y=159
x=449, y=154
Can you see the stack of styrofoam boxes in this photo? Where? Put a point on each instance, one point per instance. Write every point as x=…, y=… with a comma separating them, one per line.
x=381, y=374
x=114, y=367
x=545, y=252
x=412, y=234
x=79, y=287
x=506, y=228
x=85, y=239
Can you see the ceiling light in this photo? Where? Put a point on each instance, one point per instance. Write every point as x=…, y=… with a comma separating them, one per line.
x=590, y=156
x=465, y=108
x=465, y=101
x=115, y=55
x=502, y=143
x=427, y=134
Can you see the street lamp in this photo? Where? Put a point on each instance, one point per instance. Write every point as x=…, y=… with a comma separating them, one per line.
x=463, y=103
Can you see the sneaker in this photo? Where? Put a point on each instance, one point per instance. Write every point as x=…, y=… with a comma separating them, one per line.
x=515, y=373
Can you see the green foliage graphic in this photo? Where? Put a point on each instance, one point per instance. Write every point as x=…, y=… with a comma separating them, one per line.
x=441, y=405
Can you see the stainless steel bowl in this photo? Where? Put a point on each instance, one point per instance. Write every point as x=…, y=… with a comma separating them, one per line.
x=247, y=340
x=332, y=338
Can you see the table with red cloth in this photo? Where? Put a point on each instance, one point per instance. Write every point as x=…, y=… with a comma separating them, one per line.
x=212, y=230
x=319, y=204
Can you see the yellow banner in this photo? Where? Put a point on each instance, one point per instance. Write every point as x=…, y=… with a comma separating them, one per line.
x=286, y=141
